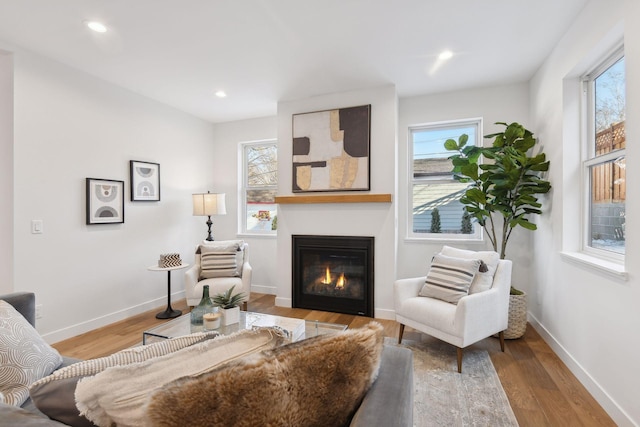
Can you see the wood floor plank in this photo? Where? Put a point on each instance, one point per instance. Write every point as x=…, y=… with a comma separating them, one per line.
x=541, y=389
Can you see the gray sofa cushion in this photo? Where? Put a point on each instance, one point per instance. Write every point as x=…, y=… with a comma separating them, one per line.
x=12, y=416
x=389, y=401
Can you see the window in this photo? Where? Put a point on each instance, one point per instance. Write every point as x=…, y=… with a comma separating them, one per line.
x=604, y=165
x=259, y=187
x=436, y=211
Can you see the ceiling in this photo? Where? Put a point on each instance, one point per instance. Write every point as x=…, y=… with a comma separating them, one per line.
x=180, y=52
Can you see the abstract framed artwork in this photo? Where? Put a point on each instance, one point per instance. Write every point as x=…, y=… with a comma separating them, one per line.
x=105, y=201
x=331, y=150
x=145, y=181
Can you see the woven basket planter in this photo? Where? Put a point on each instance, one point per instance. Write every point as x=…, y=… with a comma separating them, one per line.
x=517, y=317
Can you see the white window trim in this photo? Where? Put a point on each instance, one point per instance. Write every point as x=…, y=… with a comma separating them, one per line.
x=242, y=187
x=600, y=259
x=477, y=236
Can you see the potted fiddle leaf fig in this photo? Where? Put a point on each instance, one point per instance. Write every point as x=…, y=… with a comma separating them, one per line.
x=229, y=305
x=502, y=193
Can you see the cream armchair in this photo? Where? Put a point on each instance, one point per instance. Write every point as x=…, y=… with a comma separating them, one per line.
x=475, y=317
x=193, y=281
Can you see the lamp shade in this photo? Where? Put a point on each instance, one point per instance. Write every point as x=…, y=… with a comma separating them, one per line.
x=207, y=204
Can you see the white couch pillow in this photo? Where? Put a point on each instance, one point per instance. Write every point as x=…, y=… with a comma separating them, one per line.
x=484, y=279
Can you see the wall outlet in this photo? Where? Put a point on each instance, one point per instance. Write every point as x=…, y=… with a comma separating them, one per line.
x=38, y=311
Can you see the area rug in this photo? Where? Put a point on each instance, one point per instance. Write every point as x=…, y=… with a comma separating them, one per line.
x=443, y=397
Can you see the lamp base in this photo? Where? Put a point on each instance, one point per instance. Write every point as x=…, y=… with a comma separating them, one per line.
x=209, y=224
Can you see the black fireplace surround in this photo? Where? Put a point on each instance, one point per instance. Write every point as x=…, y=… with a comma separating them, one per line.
x=333, y=273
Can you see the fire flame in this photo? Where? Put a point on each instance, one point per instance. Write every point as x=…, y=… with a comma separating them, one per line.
x=341, y=282
x=327, y=277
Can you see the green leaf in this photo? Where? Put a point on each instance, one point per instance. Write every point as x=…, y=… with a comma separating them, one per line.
x=476, y=195
x=459, y=161
x=451, y=145
x=470, y=170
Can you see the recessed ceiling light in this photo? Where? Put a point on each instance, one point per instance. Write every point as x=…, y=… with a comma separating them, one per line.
x=444, y=55
x=221, y=94
x=96, y=26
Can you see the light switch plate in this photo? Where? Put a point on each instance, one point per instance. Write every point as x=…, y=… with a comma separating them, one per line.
x=37, y=227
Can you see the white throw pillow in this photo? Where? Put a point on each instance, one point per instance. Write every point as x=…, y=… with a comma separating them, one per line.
x=449, y=279
x=24, y=356
x=483, y=280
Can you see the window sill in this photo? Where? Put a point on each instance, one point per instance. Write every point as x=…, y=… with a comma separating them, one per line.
x=451, y=240
x=258, y=235
x=609, y=268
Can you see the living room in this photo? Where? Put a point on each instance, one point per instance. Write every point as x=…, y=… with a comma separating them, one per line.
x=60, y=125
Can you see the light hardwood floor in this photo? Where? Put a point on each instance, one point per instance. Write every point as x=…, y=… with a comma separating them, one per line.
x=540, y=388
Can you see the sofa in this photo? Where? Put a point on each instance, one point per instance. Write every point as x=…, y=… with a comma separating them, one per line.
x=388, y=402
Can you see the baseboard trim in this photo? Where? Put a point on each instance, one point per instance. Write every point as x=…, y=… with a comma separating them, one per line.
x=599, y=394
x=107, y=319
x=283, y=302
x=260, y=289
x=384, y=313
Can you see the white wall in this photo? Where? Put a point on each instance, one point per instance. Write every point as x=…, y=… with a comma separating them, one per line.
x=493, y=104
x=6, y=172
x=353, y=219
x=69, y=126
x=591, y=319
x=227, y=173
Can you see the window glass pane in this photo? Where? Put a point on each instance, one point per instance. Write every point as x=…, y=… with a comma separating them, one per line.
x=607, y=205
x=429, y=155
x=262, y=165
x=609, y=109
x=435, y=196
x=261, y=210
x=437, y=209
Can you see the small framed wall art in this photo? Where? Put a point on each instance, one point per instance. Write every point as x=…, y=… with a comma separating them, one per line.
x=145, y=181
x=105, y=201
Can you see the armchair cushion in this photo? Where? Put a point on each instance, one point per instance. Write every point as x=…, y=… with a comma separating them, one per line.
x=25, y=356
x=483, y=279
x=449, y=279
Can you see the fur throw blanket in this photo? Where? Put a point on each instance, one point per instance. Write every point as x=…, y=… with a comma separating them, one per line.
x=315, y=382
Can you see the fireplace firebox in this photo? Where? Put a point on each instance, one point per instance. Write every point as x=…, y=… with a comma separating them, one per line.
x=333, y=273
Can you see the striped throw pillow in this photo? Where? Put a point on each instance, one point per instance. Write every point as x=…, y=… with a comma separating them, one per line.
x=449, y=279
x=218, y=262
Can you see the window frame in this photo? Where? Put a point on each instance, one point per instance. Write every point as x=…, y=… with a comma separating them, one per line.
x=243, y=186
x=445, y=178
x=590, y=159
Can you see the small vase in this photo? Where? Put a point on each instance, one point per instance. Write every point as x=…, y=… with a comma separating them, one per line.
x=230, y=315
x=205, y=306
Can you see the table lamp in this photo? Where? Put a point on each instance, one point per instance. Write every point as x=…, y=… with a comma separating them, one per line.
x=207, y=204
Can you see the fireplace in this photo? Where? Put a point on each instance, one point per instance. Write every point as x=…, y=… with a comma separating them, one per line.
x=333, y=273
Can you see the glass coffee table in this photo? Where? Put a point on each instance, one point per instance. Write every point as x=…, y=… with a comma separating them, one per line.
x=298, y=329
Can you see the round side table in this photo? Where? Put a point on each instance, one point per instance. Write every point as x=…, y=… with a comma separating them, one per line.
x=169, y=313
